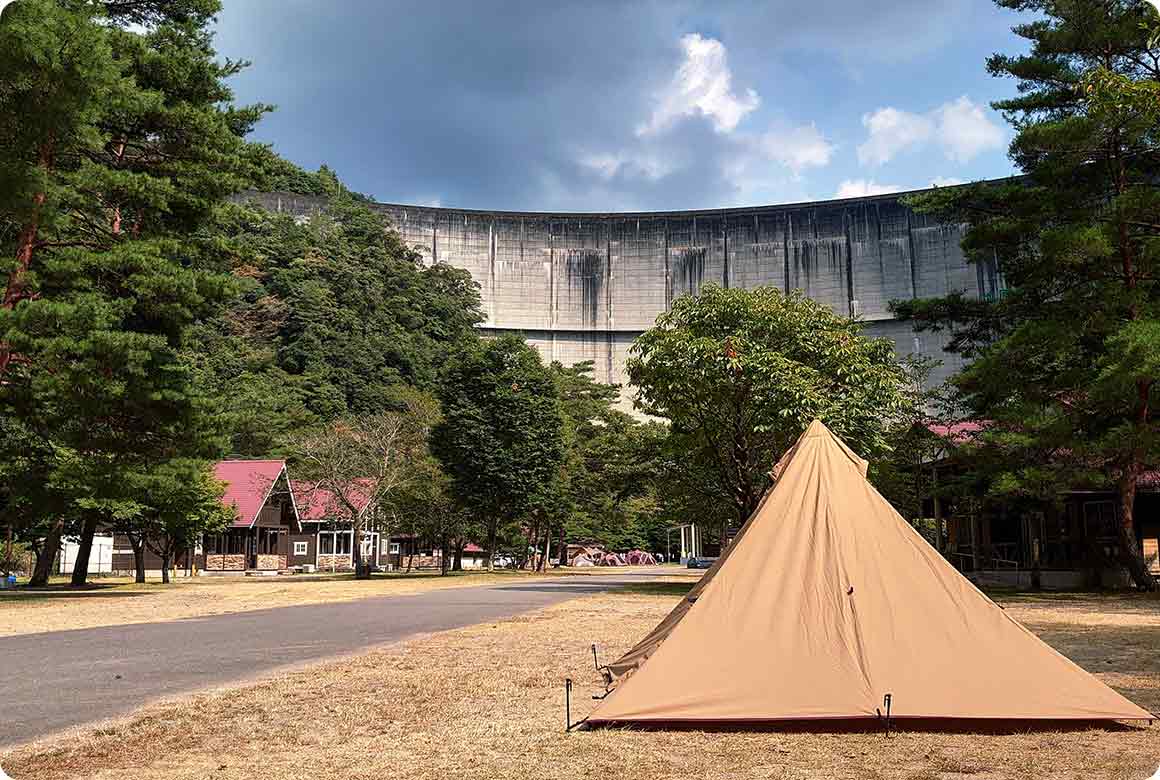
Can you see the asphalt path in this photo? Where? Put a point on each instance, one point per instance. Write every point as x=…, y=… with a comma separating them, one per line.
x=51, y=681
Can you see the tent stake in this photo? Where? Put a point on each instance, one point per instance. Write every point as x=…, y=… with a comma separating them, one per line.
x=886, y=703
x=567, y=704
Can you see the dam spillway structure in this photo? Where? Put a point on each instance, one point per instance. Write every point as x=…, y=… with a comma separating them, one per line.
x=582, y=286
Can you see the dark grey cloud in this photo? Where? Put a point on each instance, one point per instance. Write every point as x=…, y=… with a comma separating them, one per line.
x=517, y=105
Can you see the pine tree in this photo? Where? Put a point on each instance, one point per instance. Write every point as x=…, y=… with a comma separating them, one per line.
x=1066, y=362
x=116, y=149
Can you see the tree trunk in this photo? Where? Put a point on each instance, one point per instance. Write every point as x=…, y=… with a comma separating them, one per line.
x=547, y=547
x=361, y=571
x=562, y=547
x=1132, y=555
x=530, y=548
x=80, y=572
x=166, y=559
x=46, y=556
x=25, y=247
x=444, y=556
x=138, y=545
x=9, y=563
x=459, y=545
x=491, y=532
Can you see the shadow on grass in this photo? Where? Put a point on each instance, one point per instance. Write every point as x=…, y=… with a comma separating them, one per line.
x=657, y=588
x=23, y=596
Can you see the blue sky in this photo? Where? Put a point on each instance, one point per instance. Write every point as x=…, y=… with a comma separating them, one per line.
x=605, y=106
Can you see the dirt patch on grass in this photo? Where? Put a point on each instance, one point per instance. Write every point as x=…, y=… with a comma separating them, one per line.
x=120, y=602
x=487, y=702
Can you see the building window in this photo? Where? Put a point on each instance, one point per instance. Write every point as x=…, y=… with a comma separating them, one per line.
x=268, y=541
x=225, y=544
x=334, y=543
x=1099, y=518
x=394, y=548
x=301, y=548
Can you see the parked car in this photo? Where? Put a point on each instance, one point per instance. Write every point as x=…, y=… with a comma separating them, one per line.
x=700, y=563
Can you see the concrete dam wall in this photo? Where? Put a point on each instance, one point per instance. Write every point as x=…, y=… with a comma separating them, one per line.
x=583, y=286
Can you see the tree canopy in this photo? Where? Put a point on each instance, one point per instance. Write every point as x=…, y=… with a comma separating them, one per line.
x=739, y=374
x=501, y=437
x=1065, y=362
x=117, y=147
x=334, y=316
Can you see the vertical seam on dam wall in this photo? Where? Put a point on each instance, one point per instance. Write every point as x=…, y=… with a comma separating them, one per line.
x=725, y=249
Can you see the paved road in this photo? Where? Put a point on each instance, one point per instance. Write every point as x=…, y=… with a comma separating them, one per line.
x=51, y=681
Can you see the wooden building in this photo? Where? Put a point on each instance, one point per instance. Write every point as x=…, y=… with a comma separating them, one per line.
x=1071, y=543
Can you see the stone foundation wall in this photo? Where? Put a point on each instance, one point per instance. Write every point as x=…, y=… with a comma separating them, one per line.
x=419, y=561
x=336, y=562
x=271, y=562
x=225, y=562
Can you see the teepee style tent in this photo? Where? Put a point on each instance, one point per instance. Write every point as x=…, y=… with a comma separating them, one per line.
x=826, y=601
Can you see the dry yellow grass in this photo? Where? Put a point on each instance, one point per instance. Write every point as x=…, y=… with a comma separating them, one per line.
x=120, y=602
x=487, y=702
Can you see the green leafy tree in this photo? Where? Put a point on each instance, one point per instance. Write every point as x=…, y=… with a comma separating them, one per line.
x=739, y=374
x=1065, y=363
x=116, y=148
x=433, y=513
x=335, y=315
x=501, y=437
x=182, y=504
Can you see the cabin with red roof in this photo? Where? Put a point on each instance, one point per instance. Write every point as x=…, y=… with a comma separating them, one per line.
x=284, y=525
x=326, y=540
x=265, y=515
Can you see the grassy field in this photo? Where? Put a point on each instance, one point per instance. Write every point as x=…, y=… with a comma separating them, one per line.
x=112, y=602
x=487, y=702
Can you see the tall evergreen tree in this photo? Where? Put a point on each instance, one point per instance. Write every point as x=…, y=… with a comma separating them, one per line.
x=117, y=147
x=1066, y=362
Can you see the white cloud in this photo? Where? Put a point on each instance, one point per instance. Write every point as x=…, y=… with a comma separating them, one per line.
x=964, y=130
x=638, y=165
x=892, y=131
x=945, y=181
x=860, y=188
x=764, y=167
x=703, y=85
x=959, y=127
x=796, y=148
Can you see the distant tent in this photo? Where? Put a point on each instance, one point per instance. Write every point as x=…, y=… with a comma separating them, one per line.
x=639, y=558
x=826, y=601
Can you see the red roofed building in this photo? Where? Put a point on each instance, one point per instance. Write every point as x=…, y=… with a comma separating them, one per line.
x=326, y=540
x=265, y=516
x=281, y=525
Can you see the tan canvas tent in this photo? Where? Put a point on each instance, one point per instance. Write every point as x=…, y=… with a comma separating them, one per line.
x=826, y=601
